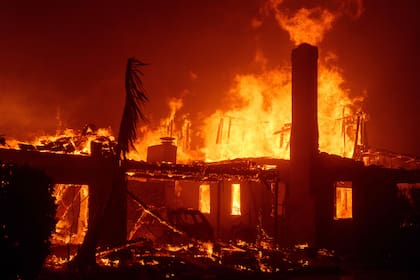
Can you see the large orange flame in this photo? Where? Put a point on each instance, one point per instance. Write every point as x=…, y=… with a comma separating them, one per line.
x=256, y=120
x=259, y=120
x=174, y=126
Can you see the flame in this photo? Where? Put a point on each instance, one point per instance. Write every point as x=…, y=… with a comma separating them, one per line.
x=204, y=199
x=306, y=25
x=72, y=213
x=256, y=118
x=209, y=248
x=174, y=125
x=256, y=121
x=343, y=201
x=236, y=199
x=260, y=110
x=67, y=141
x=259, y=120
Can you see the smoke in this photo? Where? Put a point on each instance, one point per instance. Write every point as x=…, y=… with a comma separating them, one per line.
x=310, y=23
x=20, y=118
x=175, y=104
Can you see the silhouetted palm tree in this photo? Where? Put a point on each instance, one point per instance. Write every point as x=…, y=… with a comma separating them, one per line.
x=135, y=97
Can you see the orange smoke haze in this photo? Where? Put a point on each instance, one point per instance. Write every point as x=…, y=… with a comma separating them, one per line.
x=309, y=25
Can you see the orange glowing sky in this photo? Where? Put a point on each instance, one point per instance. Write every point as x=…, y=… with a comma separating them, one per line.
x=63, y=62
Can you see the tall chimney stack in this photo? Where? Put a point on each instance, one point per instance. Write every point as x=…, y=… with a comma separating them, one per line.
x=300, y=215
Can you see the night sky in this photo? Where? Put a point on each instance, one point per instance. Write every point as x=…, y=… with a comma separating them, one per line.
x=65, y=60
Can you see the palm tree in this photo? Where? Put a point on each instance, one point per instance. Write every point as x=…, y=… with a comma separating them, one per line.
x=135, y=97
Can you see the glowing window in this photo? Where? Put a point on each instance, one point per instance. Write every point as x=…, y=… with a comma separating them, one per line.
x=204, y=199
x=236, y=199
x=343, y=200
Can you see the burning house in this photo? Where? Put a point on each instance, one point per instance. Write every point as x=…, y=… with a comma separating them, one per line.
x=315, y=198
x=280, y=178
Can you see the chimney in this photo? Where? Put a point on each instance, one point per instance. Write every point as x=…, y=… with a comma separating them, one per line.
x=300, y=215
x=164, y=152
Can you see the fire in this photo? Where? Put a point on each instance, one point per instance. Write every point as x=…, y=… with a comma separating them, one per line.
x=72, y=213
x=343, y=201
x=178, y=127
x=256, y=121
x=236, y=199
x=309, y=24
x=259, y=120
x=337, y=111
x=256, y=118
x=253, y=126
x=306, y=25
x=67, y=141
x=204, y=199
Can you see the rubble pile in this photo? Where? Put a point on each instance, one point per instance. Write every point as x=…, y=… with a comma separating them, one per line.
x=215, y=260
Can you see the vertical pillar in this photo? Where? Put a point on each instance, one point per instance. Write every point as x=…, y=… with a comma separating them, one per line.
x=300, y=207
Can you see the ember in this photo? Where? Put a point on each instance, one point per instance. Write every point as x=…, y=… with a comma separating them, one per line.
x=197, y=259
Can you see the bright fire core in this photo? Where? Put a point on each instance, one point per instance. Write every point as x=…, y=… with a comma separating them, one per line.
x=204, y=199
x=236, y=199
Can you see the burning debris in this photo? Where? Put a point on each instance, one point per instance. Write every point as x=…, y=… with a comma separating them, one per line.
x=70, y=142
x=200, y=259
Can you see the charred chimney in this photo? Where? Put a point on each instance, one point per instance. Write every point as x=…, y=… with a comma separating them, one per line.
x=300, y=219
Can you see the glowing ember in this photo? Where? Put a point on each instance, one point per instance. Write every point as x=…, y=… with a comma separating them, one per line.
x=209, y=249
x=236, y=199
